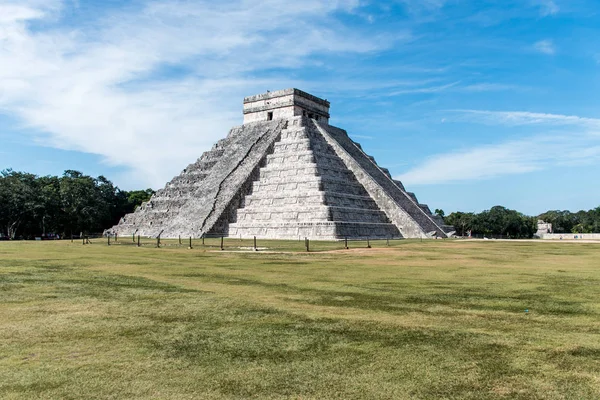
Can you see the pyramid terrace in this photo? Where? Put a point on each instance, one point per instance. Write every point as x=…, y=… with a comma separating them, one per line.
x=284, y=174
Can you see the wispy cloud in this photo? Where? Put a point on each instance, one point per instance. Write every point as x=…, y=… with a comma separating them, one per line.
x=490, y=87
x=151, y=88
x=380, y=90
x=422, y=5
x=366, y=137
x=425, y=89
x=509, y=158
x=479, y=163
x=540, y=151
x=547, y=7
x=515, y=118
x=545, y=47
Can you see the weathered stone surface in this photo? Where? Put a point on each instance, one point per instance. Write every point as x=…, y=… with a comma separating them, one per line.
x=285, y=173
x=192, y=202
x=402, y=208
x=283, y=104
x=305, y=190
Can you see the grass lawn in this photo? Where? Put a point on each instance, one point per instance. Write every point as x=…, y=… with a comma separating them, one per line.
x=416, y=320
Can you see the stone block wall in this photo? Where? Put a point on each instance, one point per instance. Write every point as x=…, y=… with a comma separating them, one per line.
x=400, y=206
x=284, y=104
x=304, y=190
x=193, y=202
x=290, y=177
x=570, y=236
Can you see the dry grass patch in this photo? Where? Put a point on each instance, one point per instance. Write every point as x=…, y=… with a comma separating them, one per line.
x=417, y=320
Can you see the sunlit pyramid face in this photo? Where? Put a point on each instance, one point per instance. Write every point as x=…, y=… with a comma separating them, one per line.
x=284, y=174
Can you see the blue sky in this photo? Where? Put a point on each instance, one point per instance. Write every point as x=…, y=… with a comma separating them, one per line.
x=470, y=103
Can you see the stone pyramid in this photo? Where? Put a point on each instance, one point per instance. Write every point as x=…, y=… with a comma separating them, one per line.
x=284, y=174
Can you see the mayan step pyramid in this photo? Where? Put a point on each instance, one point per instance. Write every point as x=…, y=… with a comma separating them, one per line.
x=284, y=174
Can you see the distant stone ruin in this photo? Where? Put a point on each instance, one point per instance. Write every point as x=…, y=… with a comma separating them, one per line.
x=284, y=174
x=543, y=228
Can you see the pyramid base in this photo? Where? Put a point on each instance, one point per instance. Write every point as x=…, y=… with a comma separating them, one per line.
x=314, y=230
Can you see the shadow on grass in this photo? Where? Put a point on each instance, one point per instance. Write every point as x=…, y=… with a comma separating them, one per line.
x=461, y=298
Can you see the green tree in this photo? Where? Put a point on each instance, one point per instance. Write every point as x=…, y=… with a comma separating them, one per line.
x=562, y=221
x=18, y=200
x=48, y=214
x=79, y=200
x=462, y=222
x=496, y=221
x=135, y=198
x=72, y=203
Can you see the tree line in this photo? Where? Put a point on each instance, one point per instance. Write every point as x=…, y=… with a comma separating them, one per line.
x=502, y=221
x=496, y=221
x=74, y=203
x=568, y=222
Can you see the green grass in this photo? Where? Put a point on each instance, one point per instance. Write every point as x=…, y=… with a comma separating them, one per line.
x=416, y=320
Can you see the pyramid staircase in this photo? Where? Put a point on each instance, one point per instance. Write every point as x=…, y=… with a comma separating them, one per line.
x=305, y=190
x=287, y=178
x=192, y=203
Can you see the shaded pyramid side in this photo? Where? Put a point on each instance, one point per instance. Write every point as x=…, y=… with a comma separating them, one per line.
x=412, y=219
x=192, y=202
x=436, y=218
x=284, y=179
x=305, y=190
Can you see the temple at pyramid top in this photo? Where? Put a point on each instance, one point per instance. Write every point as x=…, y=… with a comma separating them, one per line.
x=283, y=104
x=285, y=173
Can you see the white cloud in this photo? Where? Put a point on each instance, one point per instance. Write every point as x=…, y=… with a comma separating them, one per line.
x=478, y=163
x=547, y=7
x=426, y=89
x=545, y=47
x=422, y=5
x=571, y=147
x=491, y=87
x=365, y=137
x=114, y=86
x=515, y=118
x=509, y=158
x=396, y=88
x=12, y=11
